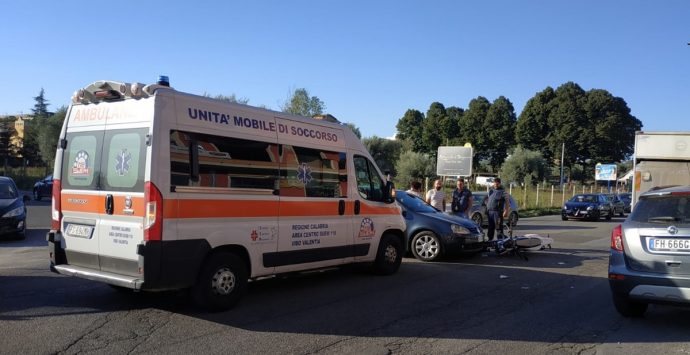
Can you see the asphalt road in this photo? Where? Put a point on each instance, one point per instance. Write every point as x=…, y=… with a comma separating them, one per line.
x=557, y=302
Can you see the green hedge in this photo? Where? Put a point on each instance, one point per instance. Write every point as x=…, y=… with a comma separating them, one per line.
x=26, y=178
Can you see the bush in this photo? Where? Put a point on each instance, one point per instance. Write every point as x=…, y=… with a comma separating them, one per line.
x=26, y=178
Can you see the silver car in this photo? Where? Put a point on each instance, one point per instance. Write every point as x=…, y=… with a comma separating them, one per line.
x=478, y=211
x=650, y=253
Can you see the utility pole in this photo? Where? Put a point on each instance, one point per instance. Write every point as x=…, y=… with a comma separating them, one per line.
x=562, y=157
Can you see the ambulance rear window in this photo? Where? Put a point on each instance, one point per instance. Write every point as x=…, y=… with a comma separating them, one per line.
x=100, y=160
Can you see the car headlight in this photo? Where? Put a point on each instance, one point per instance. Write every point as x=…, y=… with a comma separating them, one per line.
x=14, y=212
x=601, y=207
x=565, y=207
x=457, y=229
x=589, y=208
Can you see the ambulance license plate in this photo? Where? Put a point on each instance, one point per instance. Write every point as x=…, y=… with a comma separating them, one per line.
x=79, y=230
x=669, y=244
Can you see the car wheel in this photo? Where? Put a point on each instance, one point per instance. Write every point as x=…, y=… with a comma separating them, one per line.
x=221, y=282
x=608, y=216
x=477, y=218
x=628, y=308
x=564, y=218
x=37, y=195
x=389, y=255
x=426, y=246
x=513, y=219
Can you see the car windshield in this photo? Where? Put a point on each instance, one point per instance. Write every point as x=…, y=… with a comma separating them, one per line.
x=584, y=198
x=626, y=198
x=673, y=209
x=7, y=191
x=413, y=203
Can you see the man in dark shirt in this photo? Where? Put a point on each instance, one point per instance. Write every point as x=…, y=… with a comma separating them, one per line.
x=462, y=200
x=497, y=208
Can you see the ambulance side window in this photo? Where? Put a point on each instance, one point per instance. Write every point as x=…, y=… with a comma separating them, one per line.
x=223, y=162
x=308, y=172
x=369, y=184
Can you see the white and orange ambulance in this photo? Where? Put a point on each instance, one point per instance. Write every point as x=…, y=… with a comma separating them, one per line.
x=155, y=189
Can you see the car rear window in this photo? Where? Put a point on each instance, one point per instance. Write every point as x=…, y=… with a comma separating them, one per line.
x=671, y=209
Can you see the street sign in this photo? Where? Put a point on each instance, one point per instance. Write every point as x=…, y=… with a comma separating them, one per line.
x=605, y=172
x=454, y=161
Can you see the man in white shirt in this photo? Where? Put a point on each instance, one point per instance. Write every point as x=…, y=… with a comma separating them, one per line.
x=436, y=197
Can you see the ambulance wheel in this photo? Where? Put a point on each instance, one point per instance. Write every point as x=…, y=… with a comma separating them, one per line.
x=388, y=256
x=221, y=282
x=426, y=246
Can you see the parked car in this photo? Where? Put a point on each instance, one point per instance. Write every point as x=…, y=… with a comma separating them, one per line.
x=12, y=209
x=43, y=188
x=478, y=211
x=649, y=260
x=431, y=233
x=618, y=204
x=587, y=206
x=626, y=197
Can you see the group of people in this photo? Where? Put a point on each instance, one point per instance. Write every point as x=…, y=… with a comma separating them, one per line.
x=497, y=205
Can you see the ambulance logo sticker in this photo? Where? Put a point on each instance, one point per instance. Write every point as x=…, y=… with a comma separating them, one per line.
x=123, y=162
x=366, y=228
x=254, y=235
x=80, y=166
x=304, y=173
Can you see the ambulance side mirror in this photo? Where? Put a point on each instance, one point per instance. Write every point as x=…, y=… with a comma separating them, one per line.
x=389, y=193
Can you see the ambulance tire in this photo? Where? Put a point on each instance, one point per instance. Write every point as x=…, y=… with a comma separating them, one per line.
x=389, y=255
x=221, y=283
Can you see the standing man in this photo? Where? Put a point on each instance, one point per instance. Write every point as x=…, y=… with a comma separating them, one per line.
x=462, y=200
x=415, y=188
x=436, y=197
x=497, y=208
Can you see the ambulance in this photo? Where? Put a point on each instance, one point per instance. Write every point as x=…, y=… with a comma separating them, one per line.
x=156, y=189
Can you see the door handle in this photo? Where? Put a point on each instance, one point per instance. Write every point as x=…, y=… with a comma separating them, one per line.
x=357, y=207
x=341, y=207
x=109, y=204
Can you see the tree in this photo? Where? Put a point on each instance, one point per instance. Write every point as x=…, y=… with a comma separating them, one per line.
x=532, y=126
x=414, y=166
x=49, y=134
x=432, y=135
x=7, y=148
x=300, y=103
x=451, y=126
x=40, y=109
x=384, y=151
x=524, y=165
x=410, y=129
x=232, y=98
x=472, y=128
x=568, y=124
x=354, y=129
x=499, y=131
x=613, y=126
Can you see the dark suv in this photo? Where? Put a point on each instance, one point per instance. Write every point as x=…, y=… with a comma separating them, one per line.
x=43, y=188
x=650, y=253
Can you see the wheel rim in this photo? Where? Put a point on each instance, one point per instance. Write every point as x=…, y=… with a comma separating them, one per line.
x=427, y=247
x=223, y=282
x=391, y=254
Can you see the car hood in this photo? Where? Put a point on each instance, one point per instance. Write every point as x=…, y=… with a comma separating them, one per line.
x=8, y=204
x=580, y=204
x=451, y=219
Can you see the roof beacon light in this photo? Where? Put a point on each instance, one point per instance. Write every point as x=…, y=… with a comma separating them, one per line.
x=163, y=80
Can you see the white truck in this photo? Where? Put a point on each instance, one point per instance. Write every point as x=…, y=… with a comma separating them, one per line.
x=660, y=159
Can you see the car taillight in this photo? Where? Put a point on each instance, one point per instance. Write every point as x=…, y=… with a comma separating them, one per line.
x=153, y=220
x=617, y=238
x=56, y=206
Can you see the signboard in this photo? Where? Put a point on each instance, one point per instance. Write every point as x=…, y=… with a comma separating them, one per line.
x=606, y=172
x=454, y=161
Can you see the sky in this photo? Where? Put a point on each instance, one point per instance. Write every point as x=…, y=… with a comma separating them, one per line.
x=369, y=61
